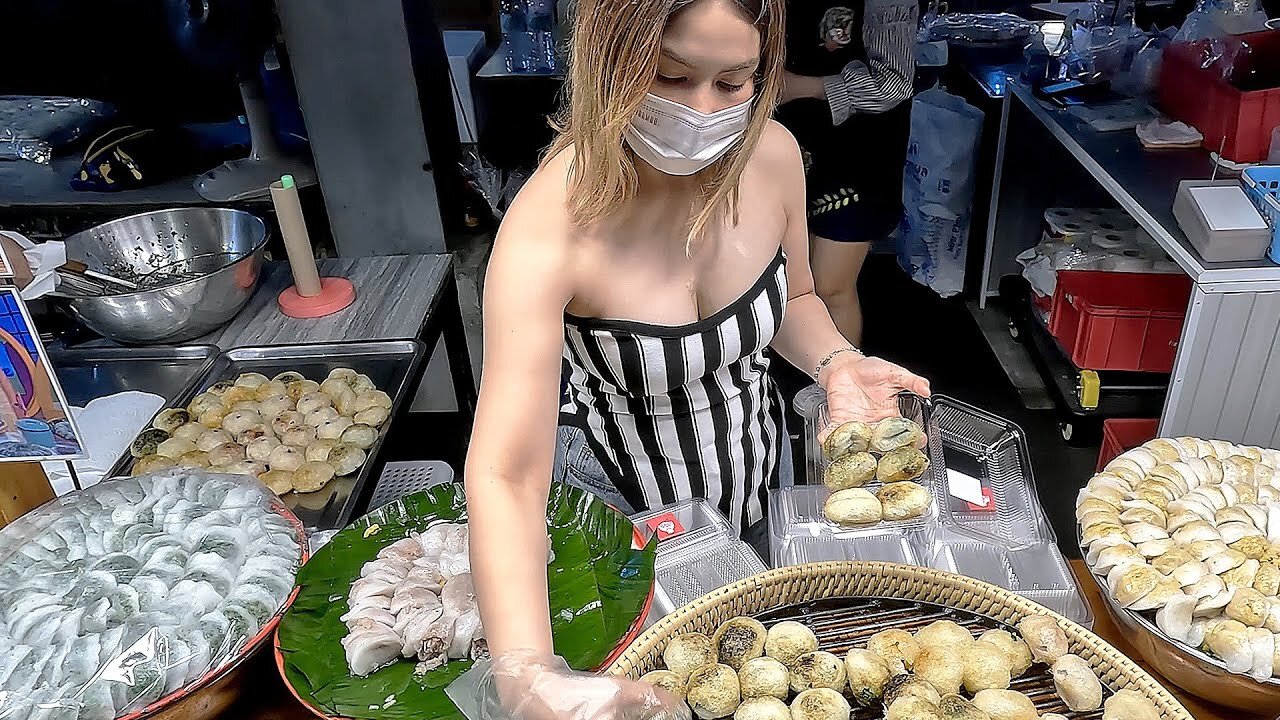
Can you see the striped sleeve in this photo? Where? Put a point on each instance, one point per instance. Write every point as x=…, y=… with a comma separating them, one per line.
x=889, y=35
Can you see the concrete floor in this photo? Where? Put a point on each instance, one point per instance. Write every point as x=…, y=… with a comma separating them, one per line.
x=905, y=323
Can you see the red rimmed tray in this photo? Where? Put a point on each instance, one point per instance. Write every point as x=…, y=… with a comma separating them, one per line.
x=216, y=690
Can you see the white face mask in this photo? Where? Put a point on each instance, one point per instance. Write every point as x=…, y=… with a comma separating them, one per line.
x=679, y=140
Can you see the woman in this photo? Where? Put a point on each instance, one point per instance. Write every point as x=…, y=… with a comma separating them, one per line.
x=656, y=249
x=850, y=68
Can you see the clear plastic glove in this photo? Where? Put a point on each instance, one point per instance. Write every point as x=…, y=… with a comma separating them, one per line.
x=522, y=685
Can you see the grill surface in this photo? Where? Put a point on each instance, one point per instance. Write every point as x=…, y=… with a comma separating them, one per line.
x=842, y=624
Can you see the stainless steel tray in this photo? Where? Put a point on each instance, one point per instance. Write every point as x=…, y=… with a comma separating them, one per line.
x=93, y=372
x=390, y=364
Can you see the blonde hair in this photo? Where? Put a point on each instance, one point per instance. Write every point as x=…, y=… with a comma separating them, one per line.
x=615, y=49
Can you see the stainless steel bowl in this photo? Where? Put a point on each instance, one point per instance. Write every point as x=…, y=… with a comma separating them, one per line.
x=1191, y=669
x=219, y=249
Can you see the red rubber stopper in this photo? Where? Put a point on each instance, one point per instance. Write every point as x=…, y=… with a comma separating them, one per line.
x=335, y=294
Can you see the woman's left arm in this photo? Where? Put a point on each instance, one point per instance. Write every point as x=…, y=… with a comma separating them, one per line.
x=858, y=387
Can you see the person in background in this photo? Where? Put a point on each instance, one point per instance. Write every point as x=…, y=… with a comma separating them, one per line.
x=659, y=249
x=850, y=72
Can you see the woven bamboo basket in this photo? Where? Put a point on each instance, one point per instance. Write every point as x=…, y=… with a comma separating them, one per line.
x=774, y=590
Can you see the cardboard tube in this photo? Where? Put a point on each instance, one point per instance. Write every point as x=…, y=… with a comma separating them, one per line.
x=297, y=243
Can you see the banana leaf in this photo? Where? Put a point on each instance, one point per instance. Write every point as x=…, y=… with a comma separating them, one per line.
x=598, y=583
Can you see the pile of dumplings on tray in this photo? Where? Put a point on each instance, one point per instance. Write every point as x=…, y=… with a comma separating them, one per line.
x=293, y=434
x=886, y=453
x=1190, y=529
x=415, y=600
x=942, y=672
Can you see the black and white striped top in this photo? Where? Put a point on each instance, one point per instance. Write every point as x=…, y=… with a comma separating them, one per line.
x=678, y=412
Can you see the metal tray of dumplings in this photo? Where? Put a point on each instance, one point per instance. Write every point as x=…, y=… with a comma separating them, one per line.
x=392, y=365
x=1190, y=668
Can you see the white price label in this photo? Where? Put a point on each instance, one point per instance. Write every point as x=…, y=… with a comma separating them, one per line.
x=965, y=487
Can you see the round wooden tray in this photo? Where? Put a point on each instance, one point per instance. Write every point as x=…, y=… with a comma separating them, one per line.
x=797, y=591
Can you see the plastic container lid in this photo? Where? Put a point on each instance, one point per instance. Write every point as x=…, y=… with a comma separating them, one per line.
x=697, y=553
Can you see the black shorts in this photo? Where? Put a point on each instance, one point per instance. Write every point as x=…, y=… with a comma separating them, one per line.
x=853, y=172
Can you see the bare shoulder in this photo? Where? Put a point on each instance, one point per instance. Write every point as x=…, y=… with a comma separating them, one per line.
x=532, y=250
x=537, y=222
x=778, y=150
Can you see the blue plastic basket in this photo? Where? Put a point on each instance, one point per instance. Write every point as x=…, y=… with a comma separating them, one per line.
x=1262, y=185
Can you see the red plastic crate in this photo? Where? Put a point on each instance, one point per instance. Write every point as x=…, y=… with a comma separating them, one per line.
x=1119, y=321
x=1201, y=97
x=1121, y=434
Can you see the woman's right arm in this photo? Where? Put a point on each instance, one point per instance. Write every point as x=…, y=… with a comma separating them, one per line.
x=508, y=475
x=509, y=465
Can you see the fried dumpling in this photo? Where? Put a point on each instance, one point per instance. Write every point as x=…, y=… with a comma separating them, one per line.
x=1156, y=548
x=896, y=647
x=944, y=633
x=1224, y=561
x=1263, y=644
x=850, y=437
x=1046, y=640
x=1267, y=579
x=893, y=433
x=1128, y=584
x=1077, y=684
x=788, y=640
x=986, y=667
x=867, y=674
x=1174, y=619
x=1118, y=555
x=1194, y=531
x=1248, y=606
x=1140, y=532
x=1243, y=576
x=1165, y=588
x=1229, y=640
x=1174, y=558
x=1014, y=648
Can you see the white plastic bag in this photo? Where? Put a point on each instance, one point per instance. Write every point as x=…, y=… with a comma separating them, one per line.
x=937, y=190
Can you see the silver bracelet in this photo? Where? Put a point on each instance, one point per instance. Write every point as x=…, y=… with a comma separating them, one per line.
x=824, y=362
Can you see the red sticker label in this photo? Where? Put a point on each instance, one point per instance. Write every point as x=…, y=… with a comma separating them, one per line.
x=665, y=526
x=988, y=506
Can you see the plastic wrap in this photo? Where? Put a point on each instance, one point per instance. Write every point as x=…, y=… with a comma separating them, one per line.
x=31, y=128
x=116, y=596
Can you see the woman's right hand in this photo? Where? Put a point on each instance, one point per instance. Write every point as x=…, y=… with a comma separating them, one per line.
x=523, y=685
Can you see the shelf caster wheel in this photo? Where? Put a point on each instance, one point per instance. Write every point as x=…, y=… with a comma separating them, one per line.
x=1068, y=431
x=1014, y=332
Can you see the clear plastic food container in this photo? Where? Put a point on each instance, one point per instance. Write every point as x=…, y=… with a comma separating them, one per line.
x=697, y=553
x=985, y=523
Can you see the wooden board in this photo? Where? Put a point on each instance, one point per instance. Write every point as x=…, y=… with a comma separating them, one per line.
x=23, y=486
